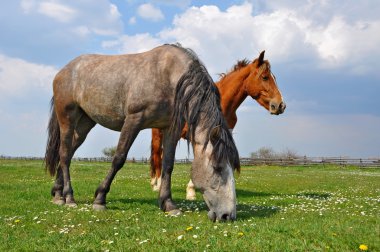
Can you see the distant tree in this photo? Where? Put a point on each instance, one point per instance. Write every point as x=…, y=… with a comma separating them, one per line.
x=109, y=152
x=288, y=154
x=269, y=153
x=264, y=153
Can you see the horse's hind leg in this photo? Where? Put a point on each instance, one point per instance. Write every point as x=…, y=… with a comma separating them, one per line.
x=65, y=154
x=156, y=159
x=165, y=199
x=57, y=190
x=190, y=191
x=75, y=125
x=83, y=127
x=128, y=134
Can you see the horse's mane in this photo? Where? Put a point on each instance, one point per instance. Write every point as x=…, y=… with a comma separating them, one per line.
x=197, y=98
x=239, y=65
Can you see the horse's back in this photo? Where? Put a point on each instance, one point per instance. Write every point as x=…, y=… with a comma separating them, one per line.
x=109, y=87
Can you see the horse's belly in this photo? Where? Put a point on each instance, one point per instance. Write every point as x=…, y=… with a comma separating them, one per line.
x=108, y=117
x=109, y=123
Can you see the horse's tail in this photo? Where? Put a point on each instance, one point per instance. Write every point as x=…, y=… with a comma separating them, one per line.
x=53, y=142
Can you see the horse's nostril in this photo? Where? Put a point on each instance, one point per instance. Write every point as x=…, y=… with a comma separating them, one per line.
x=272, y=107
x=212, y=216
x=282, y=106
x=225, y=217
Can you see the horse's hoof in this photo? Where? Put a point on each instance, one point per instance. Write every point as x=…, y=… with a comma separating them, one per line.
x=59, y=202
x=191, y=197
x=98, y=207
x=174, y=212
x=190, y=193
x=156, y=188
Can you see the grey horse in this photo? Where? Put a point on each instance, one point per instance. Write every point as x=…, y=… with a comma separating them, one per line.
x=163, y=88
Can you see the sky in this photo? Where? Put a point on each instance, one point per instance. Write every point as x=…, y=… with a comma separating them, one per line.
x=325, y=56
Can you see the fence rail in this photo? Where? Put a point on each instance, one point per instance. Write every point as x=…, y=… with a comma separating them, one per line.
x=302, y=161
x=310, y=161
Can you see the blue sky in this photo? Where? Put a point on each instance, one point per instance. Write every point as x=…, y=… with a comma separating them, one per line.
x=324, y=55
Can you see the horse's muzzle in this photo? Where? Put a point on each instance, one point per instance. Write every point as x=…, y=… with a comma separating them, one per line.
x=276, y=109
x=221, y=217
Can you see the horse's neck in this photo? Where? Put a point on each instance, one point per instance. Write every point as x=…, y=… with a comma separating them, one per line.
x=232, y=93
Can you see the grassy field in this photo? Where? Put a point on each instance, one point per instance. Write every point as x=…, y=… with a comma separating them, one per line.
x=279, y=209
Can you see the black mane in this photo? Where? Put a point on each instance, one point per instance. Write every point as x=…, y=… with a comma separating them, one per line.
x=197, y=102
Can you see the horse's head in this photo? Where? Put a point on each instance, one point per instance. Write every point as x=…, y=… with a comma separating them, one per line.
x=261, y=85
x=212, y=173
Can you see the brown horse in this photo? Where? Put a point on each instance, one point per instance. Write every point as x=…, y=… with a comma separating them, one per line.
x=163, y=88
x=254, y=79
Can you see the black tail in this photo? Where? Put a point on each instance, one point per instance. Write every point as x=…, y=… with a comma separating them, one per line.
x=53, y=142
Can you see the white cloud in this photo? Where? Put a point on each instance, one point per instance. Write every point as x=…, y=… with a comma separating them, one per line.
x=27, y=5
x=57, y=11
x=180, y=4
x=81, y=18
x=114, y=12
x=133, y=44
x=132, y=21
x=18, y=77
x=149, y=12
x=299, y=34
x=81, y=31
x=341, y=43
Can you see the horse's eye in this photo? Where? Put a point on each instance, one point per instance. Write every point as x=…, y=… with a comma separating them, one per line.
x=265, y=78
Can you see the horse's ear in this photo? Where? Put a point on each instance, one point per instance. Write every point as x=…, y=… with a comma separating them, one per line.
x=261, y=59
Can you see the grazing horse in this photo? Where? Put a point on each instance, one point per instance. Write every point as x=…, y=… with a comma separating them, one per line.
x=254, y=79
x=163, y=88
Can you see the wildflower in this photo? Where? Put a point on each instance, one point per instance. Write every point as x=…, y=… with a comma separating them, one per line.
x=144, y=241
x=240, y=234
x=363, y=247
x=17, y=221
x=195, y=236
x=189, y=228
x=180, y=237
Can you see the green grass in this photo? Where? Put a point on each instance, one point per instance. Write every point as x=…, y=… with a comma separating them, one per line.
x=279, y=209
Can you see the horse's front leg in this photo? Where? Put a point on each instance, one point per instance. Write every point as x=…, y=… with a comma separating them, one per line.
x=165, y=197
x=128, y=134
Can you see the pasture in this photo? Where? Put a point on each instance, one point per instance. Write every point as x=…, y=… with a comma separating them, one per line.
x=279, y=209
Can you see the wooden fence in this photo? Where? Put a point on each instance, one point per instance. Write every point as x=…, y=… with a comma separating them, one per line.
x=302, y=161
x=311, y=161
